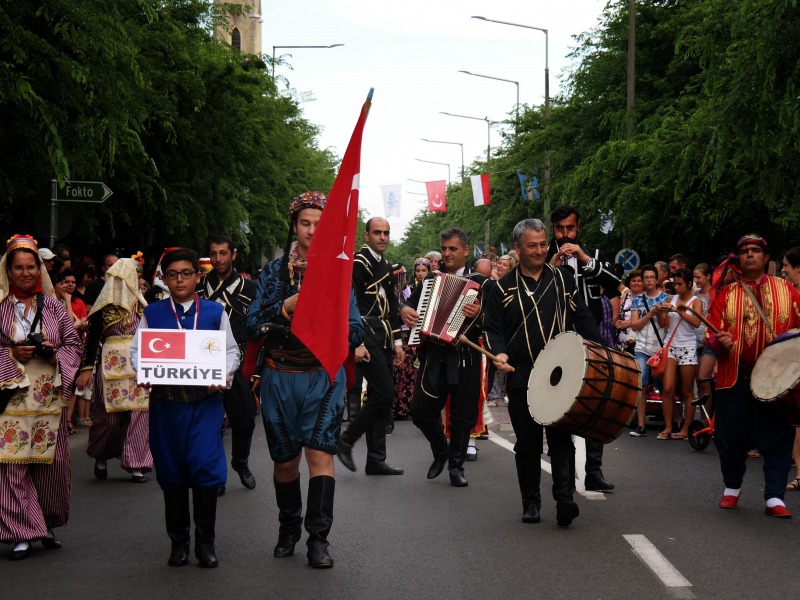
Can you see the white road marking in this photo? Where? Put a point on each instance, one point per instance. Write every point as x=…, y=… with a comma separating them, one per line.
x=659, y=565
x=580, y=458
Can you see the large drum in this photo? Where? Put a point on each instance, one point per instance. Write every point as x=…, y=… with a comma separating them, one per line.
x=584, y=388
x=776, y=376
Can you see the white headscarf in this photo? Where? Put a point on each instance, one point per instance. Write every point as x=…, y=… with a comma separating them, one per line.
x=121, y=287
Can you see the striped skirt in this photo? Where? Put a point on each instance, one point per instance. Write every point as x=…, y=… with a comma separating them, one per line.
x=35, y=497
x=123, y=435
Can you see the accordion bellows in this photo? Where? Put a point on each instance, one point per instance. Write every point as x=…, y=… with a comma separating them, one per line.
x=440, y=309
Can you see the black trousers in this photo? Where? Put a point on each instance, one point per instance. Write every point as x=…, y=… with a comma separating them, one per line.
x=240, y=406
x=741, y=422
x=529, y=448
x=380, y=384
x=430, y=394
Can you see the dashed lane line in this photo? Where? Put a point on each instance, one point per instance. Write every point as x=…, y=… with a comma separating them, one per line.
x=676, y=583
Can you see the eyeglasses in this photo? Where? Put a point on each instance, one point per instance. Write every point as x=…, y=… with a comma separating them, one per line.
x=173, y=275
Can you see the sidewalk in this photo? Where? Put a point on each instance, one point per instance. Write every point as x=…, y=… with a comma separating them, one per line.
x=501, y=420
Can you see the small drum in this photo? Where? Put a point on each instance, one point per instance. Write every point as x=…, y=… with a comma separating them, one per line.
x=776, y=376
x=583, y=387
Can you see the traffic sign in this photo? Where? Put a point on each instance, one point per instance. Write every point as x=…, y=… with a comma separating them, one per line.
x=628, y=258
x=81, y=191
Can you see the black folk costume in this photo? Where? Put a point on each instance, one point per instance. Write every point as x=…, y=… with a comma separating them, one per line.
x=521, y=315
x=593, y=280
x=444, y=371
x=235, y=294
x=373, y=286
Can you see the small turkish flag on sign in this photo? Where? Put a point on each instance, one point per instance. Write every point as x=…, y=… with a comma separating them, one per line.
x=163, y=345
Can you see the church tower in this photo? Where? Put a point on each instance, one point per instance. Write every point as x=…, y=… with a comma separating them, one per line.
x=243, y=29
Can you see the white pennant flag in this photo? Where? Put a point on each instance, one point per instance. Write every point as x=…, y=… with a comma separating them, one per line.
x=391, y=200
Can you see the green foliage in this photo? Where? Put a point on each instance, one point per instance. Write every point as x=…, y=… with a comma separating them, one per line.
x=191, y=136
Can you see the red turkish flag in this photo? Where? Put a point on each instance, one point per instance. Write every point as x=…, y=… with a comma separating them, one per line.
x=163, y=345
x=321, y=317
x=437, y=196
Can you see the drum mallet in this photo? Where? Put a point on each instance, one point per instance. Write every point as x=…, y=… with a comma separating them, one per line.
x=464, y=339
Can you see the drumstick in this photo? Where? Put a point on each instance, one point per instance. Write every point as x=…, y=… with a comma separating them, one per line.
x=705, y=321
x=488, y=354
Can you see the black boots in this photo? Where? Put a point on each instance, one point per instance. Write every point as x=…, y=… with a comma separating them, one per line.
x=176, y=513
x=594, y=475
x=240, y=451
x=375, y=430
x=457, y=452
x=205, y=517
x=245, y=475
x=376, y=450
x=563, y=467
x=319, y=518
x=290, y=505
x=529, y=475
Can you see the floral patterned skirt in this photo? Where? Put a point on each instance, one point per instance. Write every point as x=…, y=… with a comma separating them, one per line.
x=405, y=376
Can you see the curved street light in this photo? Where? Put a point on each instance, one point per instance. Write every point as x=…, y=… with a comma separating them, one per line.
x=454, y=144
x=433, y=162
x=286, y=47
x=516, y=83
x=489, y=124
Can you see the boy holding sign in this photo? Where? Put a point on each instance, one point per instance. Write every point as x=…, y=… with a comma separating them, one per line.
x=186, y=419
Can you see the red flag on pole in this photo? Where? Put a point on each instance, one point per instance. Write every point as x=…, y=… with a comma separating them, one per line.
x=437, y=195
x=321, y=316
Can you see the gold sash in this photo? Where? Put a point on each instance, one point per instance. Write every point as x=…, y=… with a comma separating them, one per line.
x=29, y=425
x=120, y=392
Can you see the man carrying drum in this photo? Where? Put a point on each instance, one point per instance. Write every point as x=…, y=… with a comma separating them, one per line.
x=524, y=310
x=749, y=314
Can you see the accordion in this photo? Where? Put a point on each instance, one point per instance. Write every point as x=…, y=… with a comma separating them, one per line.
x=440, y=309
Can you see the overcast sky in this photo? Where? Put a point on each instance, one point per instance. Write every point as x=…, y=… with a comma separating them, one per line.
x=411, y=52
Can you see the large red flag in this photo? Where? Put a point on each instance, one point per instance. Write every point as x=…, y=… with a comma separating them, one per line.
x=437, y=195
x=321, y=316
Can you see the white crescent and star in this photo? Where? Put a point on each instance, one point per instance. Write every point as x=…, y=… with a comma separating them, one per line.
x=152, y=346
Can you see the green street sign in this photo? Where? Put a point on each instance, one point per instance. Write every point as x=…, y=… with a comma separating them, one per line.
x=81, y=191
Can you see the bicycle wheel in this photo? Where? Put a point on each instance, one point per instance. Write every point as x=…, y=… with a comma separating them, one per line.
x=700, y=441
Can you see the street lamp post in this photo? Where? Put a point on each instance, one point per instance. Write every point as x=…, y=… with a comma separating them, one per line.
x=516, y=83
x=287, y=47
x=454, y=144
x=433, y=162
x=488, y=131
x=546, y=105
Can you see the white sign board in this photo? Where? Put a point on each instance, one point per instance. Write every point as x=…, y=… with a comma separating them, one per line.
x=181, y=357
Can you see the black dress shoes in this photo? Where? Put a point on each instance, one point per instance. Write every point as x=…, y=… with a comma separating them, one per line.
x=21, y=554
x=566, y=512
x=597, y=483
x=179, y=556
x=457, y=478
x=381, y=468
x=530, y=512
x=139, y=479
x=101, y=474
x=51, y=541
x=345, y=453
x=437, y=466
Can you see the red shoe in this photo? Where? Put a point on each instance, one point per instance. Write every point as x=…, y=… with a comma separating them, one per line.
x=779, y=511
x=729, y=501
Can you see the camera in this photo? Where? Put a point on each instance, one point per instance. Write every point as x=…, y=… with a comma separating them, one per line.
x=37, y=341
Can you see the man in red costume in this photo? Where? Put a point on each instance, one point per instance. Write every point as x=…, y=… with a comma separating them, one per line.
x=742, y=422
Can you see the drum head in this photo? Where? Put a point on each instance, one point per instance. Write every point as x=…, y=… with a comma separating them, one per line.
x=557, y=378
x=777, y=370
